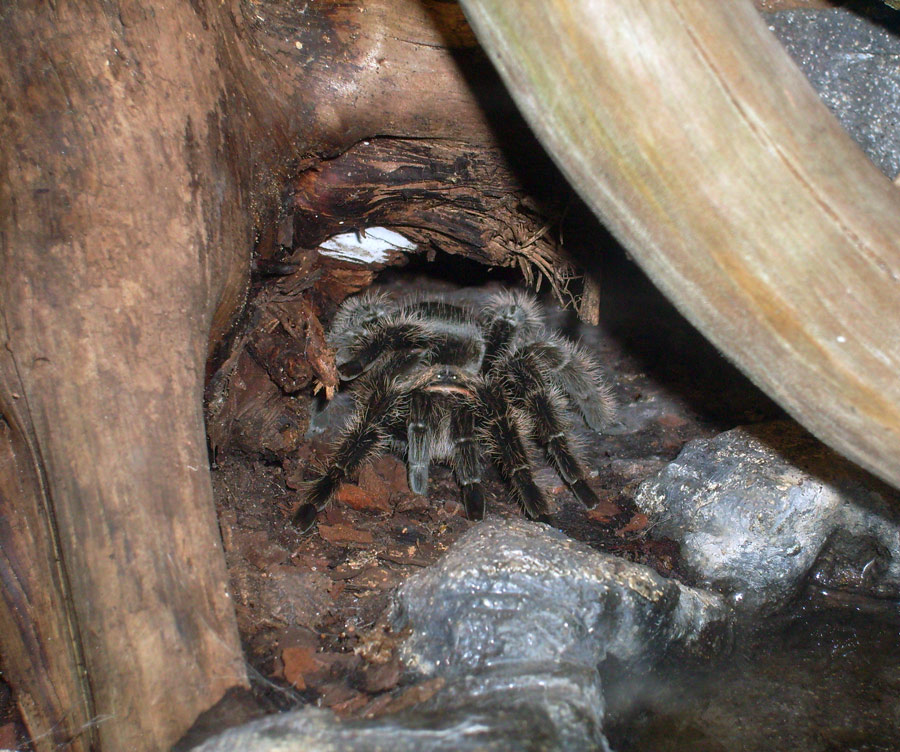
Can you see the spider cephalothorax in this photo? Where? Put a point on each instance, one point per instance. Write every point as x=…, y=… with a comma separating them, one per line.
x=438, y=381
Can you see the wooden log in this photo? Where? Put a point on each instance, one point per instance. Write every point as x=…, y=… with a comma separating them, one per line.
x=35, y=611
x=469, y=202
x=688, y=130
x=121, y=235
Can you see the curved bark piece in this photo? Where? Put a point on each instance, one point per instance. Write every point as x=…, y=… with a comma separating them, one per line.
x=687, y=128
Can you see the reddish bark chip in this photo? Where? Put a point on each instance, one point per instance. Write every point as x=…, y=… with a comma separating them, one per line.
x=300, y=664
x=371, y=480
x=393, y=472
x=604, y=511
x=453, y=508
x=344, y=534
x=377, y=706
x=413, y=503
x=365, y=497
x=349, y=706
x=635, y=525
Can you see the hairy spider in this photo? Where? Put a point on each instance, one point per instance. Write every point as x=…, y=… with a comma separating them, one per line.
x=438, y=381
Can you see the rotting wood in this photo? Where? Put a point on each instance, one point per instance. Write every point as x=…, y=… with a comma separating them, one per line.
x=715, y=163
x=459, y=198
x=282, y=350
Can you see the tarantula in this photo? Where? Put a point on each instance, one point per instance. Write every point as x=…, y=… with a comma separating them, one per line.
x=438, y=381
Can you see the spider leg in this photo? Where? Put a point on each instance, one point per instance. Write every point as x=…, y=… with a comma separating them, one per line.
x=465, y=458
x=407, y=335
x=546, y=409
x=510, y=317
x=367, y=434
x=504, y=437
x=580, y=377
x=419, y=441
x=434, y=394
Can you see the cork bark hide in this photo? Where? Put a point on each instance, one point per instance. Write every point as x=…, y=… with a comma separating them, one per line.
x=687, y=128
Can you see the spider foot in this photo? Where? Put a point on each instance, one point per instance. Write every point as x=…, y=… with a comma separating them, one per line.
x=473, y=501
x=584, y=493
x=532, y=500
x=417, y=477
x=305, y=517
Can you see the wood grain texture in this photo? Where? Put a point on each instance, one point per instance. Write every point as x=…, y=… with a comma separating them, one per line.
x=114, y=214
x=34, y=610
x=693, y=136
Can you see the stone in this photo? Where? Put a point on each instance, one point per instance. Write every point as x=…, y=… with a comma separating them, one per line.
x=754, y=508
x=509, y=636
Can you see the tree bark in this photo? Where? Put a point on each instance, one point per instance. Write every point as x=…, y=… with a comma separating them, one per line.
x=122, y=235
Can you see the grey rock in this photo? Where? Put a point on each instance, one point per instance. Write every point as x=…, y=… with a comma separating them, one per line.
x=511, y=591
x=853, y=62
x=517, y=620
x=759, y=510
